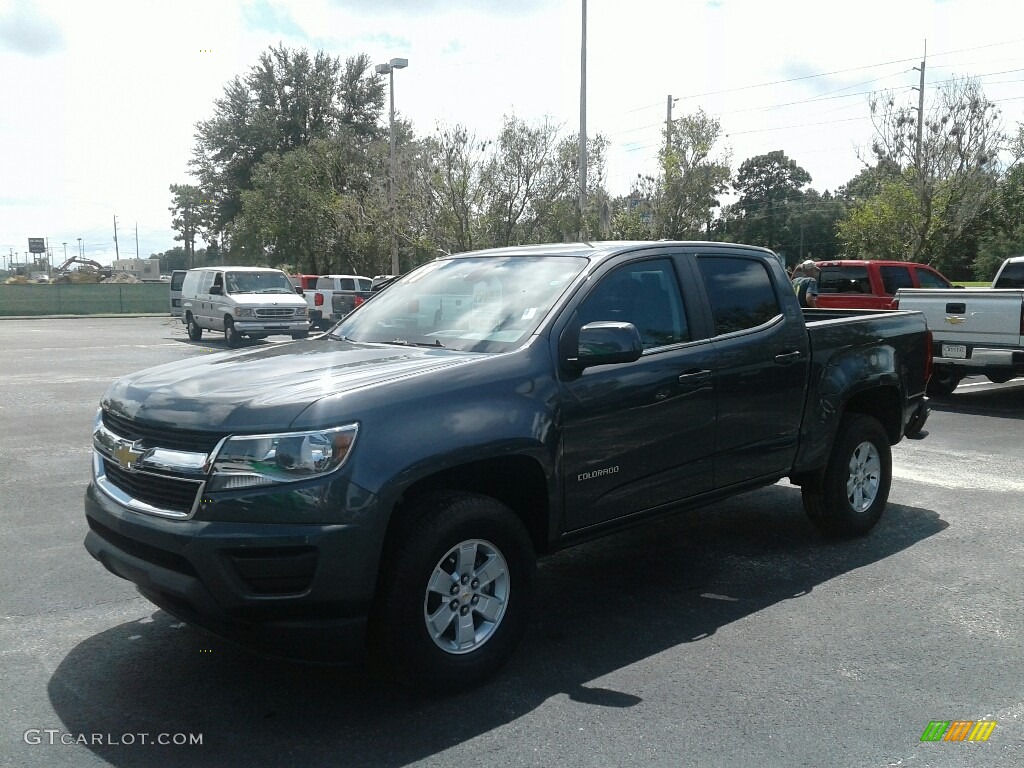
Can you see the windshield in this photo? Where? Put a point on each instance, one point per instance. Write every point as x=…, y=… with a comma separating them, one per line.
x=483, y=304
x=259, y=282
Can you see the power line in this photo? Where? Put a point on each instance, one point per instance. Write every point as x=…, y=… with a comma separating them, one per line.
x=827, y=74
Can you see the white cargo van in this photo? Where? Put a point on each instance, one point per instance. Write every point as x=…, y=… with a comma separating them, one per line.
x=242, y=301
x=177, y=278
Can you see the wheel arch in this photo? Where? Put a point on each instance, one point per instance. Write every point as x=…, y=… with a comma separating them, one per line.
x=517, y=481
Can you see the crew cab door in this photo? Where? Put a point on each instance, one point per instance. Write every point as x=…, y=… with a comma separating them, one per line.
x=762, y=353
x=642, y=434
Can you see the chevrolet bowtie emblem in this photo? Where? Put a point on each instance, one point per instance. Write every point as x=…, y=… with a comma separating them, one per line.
x=956, y=320
x=127, y=455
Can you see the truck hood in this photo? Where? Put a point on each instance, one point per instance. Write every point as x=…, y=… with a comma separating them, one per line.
x=268, y=387
x=268, y=300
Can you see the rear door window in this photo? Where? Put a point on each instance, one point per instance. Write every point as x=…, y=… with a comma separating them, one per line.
x=853, y=279
x=177, y=279
x=741, y=292
x=894, y=278
x=346, y=284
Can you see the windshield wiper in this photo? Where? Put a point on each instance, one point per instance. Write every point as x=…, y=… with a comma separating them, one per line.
x=406, y=343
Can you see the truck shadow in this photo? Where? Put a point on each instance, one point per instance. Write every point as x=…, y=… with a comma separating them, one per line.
x=1003, y=400
x=600, y=607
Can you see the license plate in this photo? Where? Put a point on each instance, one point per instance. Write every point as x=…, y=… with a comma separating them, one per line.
x=958, y=351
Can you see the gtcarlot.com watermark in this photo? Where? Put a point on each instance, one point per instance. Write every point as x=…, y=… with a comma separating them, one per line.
x=55, y=736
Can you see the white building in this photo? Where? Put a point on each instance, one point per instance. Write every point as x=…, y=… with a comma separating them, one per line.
x=143, y=269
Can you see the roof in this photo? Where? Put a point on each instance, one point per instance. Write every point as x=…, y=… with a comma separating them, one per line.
x=228, y=268
x=865, y=262
x=596, y=248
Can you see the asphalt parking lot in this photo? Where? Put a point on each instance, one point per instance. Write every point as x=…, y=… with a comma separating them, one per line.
x=733, y=636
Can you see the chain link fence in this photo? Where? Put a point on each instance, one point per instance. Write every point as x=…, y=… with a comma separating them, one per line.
x=90, y=299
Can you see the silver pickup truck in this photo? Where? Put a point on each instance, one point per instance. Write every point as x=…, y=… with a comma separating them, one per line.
x=974, y=331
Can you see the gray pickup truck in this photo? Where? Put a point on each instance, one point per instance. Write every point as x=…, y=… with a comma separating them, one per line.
x=975, y=331
x=389, y=485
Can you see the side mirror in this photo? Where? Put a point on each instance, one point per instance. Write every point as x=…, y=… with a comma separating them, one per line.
x=298, y=290
x=216, y=290
x=607, y=343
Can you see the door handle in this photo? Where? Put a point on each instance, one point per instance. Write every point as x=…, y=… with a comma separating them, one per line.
x=691, y=378
x=786, y=358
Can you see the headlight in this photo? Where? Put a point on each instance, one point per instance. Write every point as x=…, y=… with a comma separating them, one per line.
x=249, y=461
x=243, y=312
x=301, y=312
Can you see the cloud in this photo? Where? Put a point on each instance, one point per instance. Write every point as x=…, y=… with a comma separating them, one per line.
x=430, y=7
x=263, y=16
x=23, y=29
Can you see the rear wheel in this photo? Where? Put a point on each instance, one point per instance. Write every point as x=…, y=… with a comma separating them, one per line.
x=849, y=497
x=943, y=381
x=231, y=336
x=455, y=592
x=999, y=378
x=195, y=333
x=301, y=335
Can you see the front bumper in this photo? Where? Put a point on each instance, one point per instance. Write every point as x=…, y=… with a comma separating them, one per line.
x=272, y=326
x=295, y=590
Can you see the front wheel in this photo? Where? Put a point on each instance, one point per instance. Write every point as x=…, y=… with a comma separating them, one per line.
x=455, y=592
x=195, y=333
x=300, y=335
x=231, y=336
x=851, y=494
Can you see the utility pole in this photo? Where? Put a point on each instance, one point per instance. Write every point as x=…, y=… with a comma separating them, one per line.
x=920, y=112
x=136, y=239
x=668, y=121
x=583, y=126
x=117, y=252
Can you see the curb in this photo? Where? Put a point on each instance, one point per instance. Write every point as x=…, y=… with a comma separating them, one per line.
x=84, y=317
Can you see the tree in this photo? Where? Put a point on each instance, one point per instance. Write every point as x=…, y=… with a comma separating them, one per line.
x=951, y=177
x=312, y=208
x=524, y=173
x=189, y=215
x=770, y=187
x=285, y=101
x=693, y=179
x=171, y=260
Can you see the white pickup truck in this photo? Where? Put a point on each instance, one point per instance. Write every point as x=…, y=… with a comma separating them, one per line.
x=334, y=297
x=974, y=331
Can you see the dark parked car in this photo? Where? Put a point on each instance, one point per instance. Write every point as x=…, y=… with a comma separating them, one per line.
x=390, y=484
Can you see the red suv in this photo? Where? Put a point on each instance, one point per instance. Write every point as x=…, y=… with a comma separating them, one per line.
x=871, y=284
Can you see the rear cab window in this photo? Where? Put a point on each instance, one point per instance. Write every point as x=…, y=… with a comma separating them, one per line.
x=852, y=279
x=1011, y=276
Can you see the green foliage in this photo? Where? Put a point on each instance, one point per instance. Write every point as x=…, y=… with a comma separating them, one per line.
x=692, y=178
x=883, y=226
x=285, y=101
x=190, y=214
x=771, y=199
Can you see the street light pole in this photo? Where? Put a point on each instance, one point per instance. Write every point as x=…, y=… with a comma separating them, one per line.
x=389, y=69
x=583, y=126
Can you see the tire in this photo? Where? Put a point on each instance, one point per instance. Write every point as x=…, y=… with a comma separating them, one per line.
x=231, y=336
x=303, y=335
x=999, y=378
x=421, y=631
x=916, y=423
x=195, y=333
x=852, y=492
x=942, y=382
x=258, y=336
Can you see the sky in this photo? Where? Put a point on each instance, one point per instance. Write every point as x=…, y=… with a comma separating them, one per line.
x=99, y=100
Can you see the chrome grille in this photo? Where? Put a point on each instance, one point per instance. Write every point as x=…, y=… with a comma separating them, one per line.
x=162, y=491
x=275, y=312
x=162, y=435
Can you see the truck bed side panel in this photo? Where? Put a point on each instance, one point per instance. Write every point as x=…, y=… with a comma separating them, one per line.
x=853, y=352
